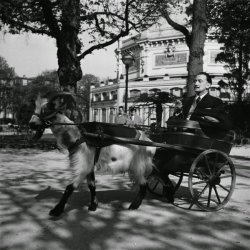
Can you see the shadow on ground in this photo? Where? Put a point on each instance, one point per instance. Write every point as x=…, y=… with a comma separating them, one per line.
x=32, y=186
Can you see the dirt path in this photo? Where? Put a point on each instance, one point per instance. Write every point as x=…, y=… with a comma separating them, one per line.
x=31, y=182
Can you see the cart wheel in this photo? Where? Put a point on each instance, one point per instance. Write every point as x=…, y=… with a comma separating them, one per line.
x=156, y=184
x=211, y=180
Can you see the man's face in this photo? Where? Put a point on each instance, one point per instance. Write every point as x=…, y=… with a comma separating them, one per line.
x=132, y=112
x=120, y=111
x=201, y=85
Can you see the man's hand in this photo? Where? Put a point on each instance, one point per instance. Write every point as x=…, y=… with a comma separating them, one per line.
x=210, y=119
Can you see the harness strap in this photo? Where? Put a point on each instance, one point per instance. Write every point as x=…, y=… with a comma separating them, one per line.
x=97, y=154
x=74, y=145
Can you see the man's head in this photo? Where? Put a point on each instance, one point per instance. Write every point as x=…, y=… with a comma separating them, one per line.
x=120, y=110
x=132, y=111
x=202, y=83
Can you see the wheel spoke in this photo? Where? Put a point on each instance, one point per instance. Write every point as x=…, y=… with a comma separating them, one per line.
x=199, y=182
x=209, y=196
x=224, y=188
x=215, y=161
x=221, y=166
x=226, y=176
x=207, y=164
x=204, y=189
x=217, y=195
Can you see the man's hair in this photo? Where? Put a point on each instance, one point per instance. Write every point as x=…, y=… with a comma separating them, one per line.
x=132, y=109
x=209, y=78
x=121, y=107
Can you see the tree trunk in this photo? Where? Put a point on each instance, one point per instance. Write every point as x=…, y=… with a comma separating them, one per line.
x=240, y=88
x=69, y=46
x=196, y=46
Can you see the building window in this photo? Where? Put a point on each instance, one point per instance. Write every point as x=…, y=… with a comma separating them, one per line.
x=105, y=96
x=135, y=93
x=113, y=95
x=176, y=92
x=214, y=91
x=103, y=115
x=153, y=91
x=213, y=55
x=95, y=118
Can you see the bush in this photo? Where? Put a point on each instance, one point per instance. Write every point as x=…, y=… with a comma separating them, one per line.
x=240, y=115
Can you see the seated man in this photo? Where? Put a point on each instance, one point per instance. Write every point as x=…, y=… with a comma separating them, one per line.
x=208, y=111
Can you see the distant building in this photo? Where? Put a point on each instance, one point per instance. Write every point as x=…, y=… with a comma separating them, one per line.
x=160, y=64
x=6, y=91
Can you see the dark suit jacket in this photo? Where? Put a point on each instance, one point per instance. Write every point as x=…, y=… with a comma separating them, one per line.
x=208, y=106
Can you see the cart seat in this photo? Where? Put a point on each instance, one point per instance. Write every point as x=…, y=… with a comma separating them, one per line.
x=192, y=134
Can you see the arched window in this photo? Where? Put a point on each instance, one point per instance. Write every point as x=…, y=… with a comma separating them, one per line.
x=96, y=98
x=105, y=96
x=154, y=91
x=135, y=93
x=176, y=91
x=113, y=95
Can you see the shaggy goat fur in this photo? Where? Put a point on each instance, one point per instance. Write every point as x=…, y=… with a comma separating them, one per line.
x=135, y=159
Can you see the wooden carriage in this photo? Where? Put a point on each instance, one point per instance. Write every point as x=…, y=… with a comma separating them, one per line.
x=184, y=148
x=202, y=154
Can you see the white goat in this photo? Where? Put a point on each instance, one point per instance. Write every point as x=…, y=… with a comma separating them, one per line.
x=84, y=155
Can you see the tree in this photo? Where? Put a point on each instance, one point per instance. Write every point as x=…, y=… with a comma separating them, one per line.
x=194, y=29
x=231, y=22
x=23, y=97
x=6, y=72
x=84, y=90
x=6, y=76
x=105, y=22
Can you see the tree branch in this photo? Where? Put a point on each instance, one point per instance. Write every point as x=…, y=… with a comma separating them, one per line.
x=103, y=45
x=177, y=26
x=32, y=29
x=114, y=39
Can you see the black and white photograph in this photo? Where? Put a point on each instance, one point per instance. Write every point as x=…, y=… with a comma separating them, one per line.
x=124, y=124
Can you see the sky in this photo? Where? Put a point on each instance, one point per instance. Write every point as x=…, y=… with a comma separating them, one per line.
x=32, y=54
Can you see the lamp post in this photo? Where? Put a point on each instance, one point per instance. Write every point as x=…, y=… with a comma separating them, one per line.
x=127, y=60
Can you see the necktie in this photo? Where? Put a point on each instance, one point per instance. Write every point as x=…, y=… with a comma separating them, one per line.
x=193, y=107
x=198, y=100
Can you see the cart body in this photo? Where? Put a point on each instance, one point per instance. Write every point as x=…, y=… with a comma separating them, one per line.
x=184, y=148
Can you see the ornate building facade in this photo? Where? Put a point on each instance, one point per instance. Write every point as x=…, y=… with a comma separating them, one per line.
x=160, y=64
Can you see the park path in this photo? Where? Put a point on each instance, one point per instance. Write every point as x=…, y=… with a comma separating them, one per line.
x=32, y=181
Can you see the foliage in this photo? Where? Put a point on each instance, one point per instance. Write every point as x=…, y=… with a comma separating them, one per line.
x=231, y=22
x=23, y=97
x=6, y=74
x=5, y=70
x=239, y=113
x=105, y=22
x=84, y=90
x=43, y=83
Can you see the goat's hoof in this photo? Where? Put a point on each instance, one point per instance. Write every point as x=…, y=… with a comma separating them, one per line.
x=93, y=206
x=56, y=211
x=133, y=206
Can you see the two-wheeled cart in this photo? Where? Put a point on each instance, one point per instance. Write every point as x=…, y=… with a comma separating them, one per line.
x=184, y=148
x=199, y=153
